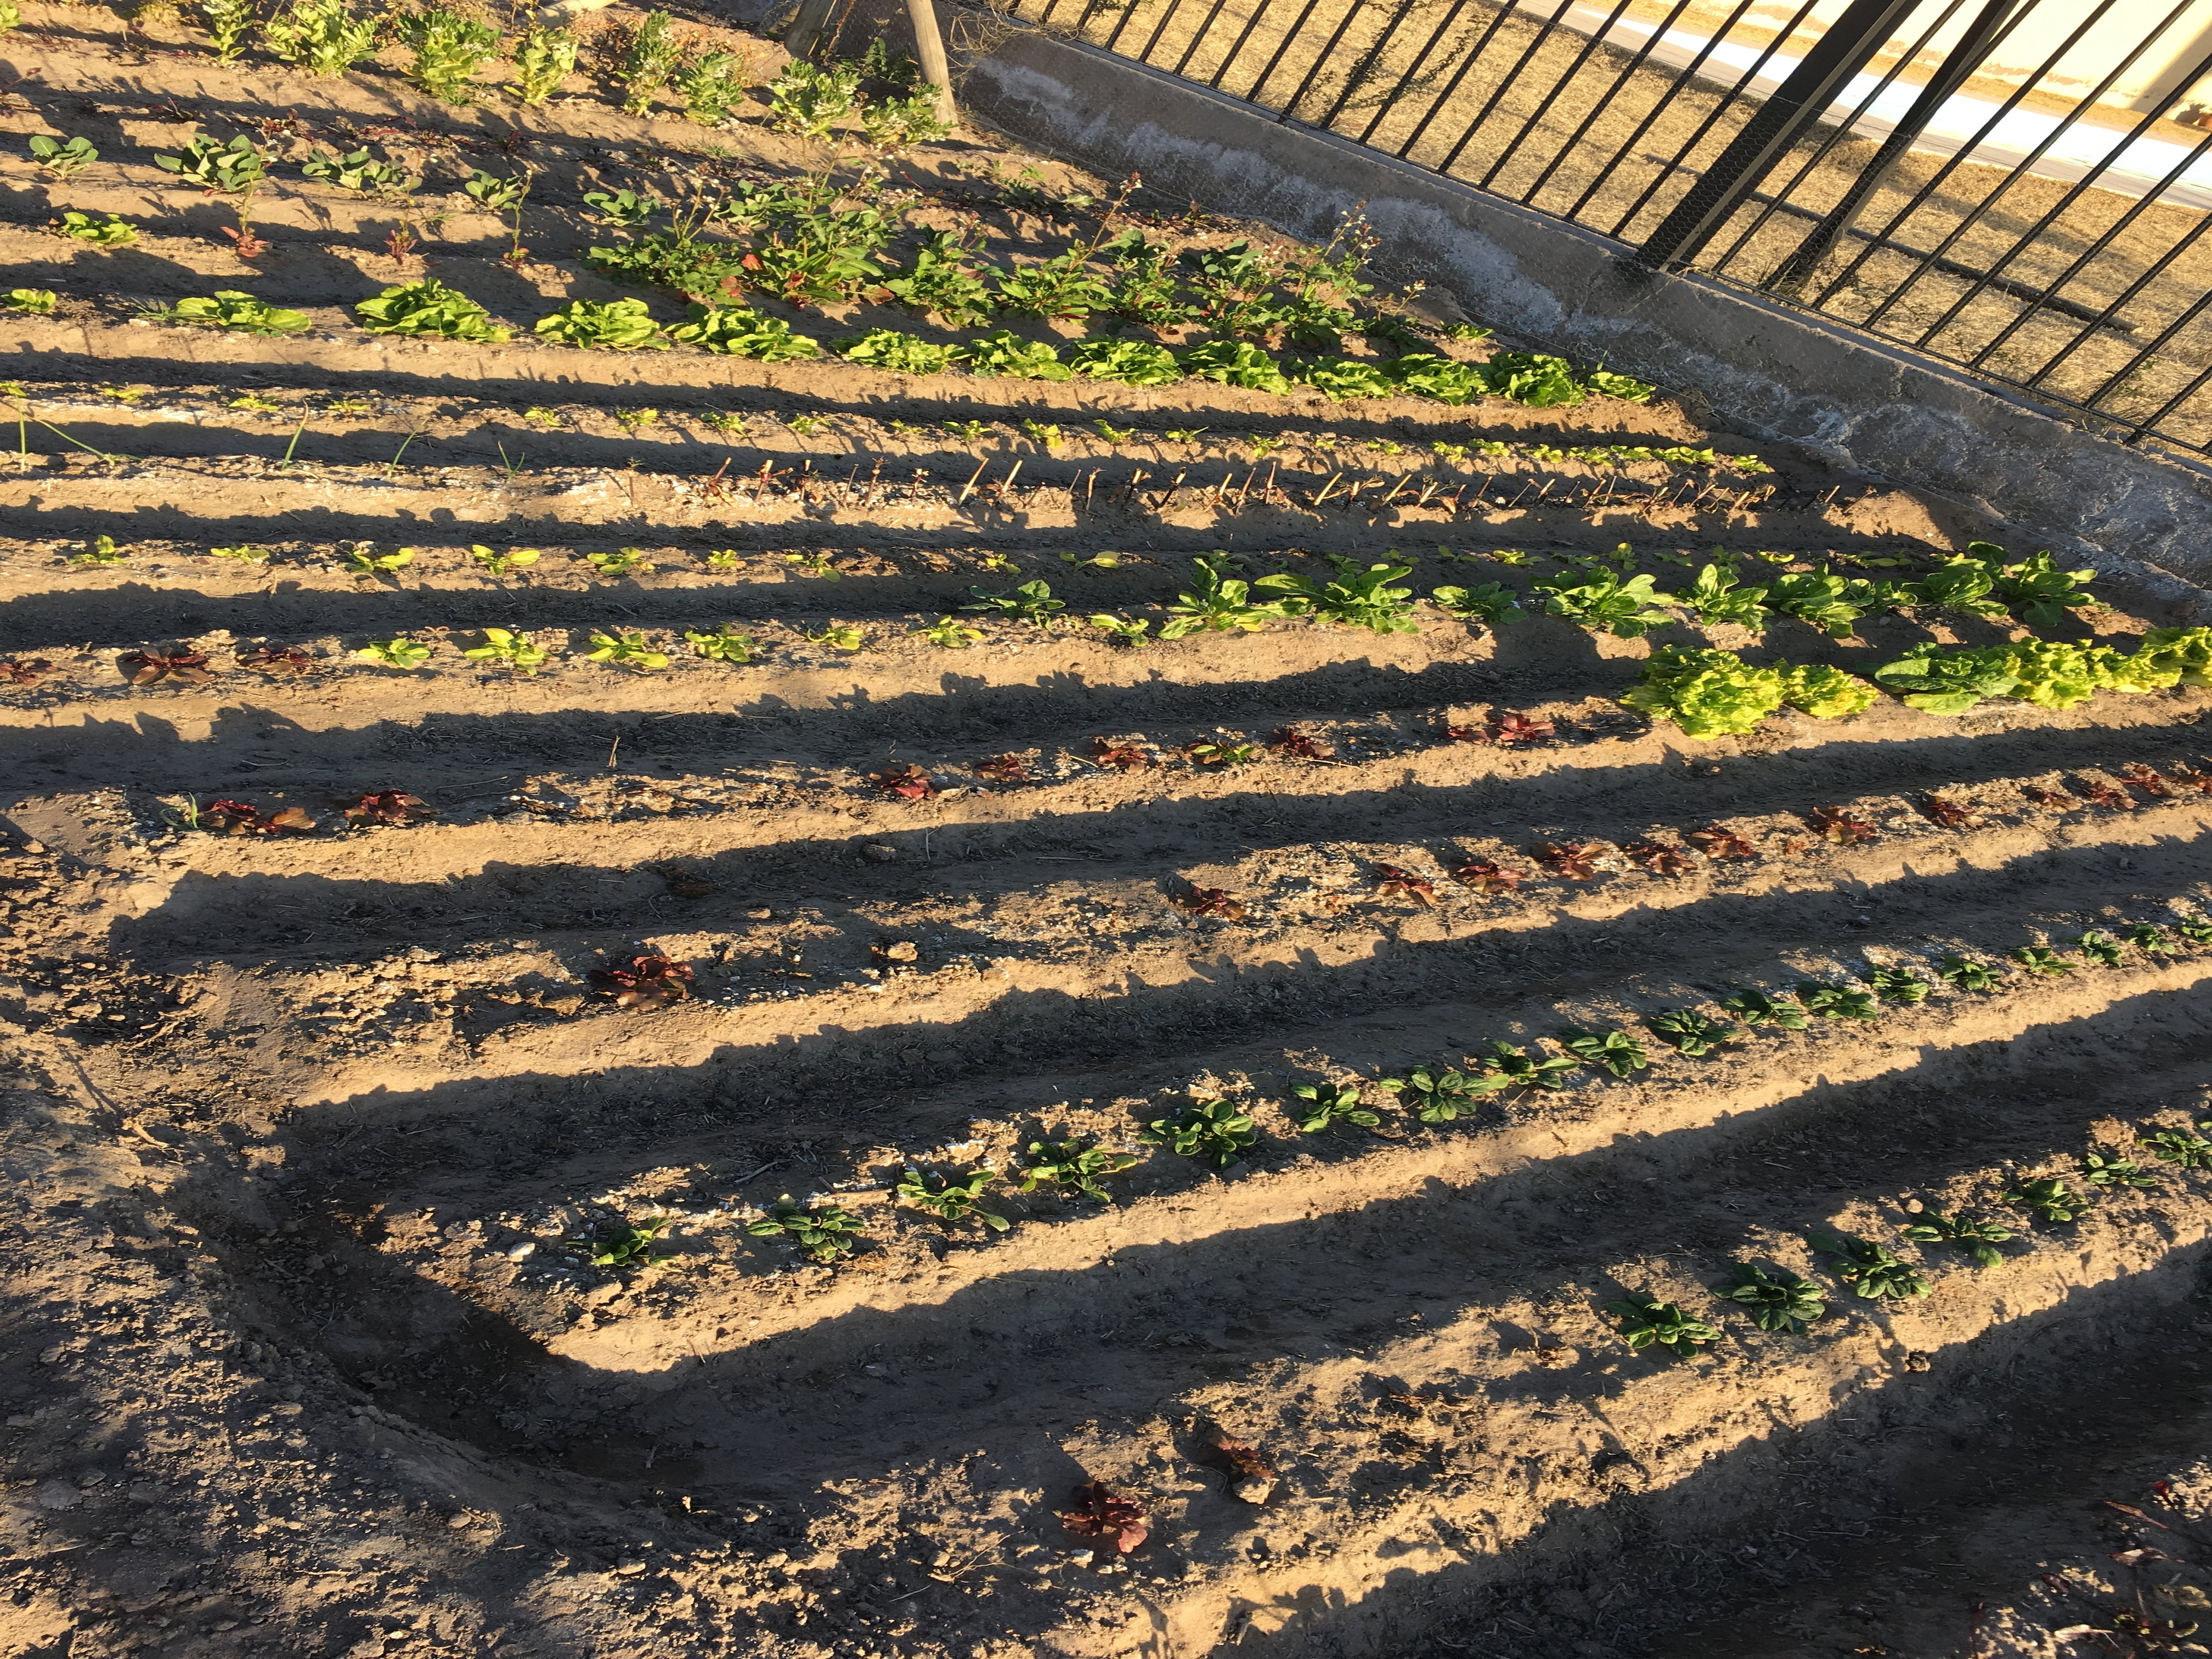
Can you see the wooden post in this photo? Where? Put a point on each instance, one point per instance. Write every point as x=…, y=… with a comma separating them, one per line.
x=806, y=29
x=929, y=52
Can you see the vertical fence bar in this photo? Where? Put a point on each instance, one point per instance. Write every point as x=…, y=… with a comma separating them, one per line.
x=1166, y=17
x=1451, y=90
x=1236, y=46
x=1936, y=180
x=1414, y=68
x=2150, y=274
x=1320, y=61
x=1374, y=55
x=1849, y=45
x=1558, y=86
x=1916, y=119
x=1721, y=107
x=1974, y=214
x=1198, y=40
x=1544, y=32
x=1260, y=85
x=1605, y=102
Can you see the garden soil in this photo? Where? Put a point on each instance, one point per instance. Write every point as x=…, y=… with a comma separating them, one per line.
x=392, y=1260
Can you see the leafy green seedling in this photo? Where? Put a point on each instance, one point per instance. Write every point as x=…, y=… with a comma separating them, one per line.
x=362, y=560
x=950, y=633
x=1358, y=598
x=2195, y=929
x=1716, y=598
x=1646, y=1323
x=361, y=173
x=624, y=210
x=1214, y=1130
x=1978, y=1239
x=1487, y=602
x=624, y=562
x=2150, y=940
x=449, y=48
x=429, y=310
x=1968, y=975
x=1211, y=751
x=1690, y=1033
x=245, y=553
x=817, y=564
x=322, y=36
x=630, y=1244
x=231, y=169
x=1837, y=1001
x=1607, y=1051
x=838, y=636
x=253, y=403
x=64, y=159
x=98, y=229
x=808, y=100
x=31, y=301
x=1217, y=602
x=1045, y=436
x=1758, y=1008
x=2102, y=948
x=495, y=561
x=228, y=22
x=950, y=1200
x=614, y=326
x=1625, y=609
x=625, y=648
x=2050, y=1199
x=2098, y=1170
x=2178, y=1147
x=1112, y=433
x=2041, y=961
x=1031, y=602
x=826, y=1232
x=399, y=653
x=1873, y=1270
x=230, y=308
x=724, y=644
x=968, y=431
x=1527, y=1071
x=1132, y=631
x=517, y=651
x=541, y=63
x=1777, y=1301
x=1898, y=985
x=101, y=551
x=1441, y=1095
x=648, y=61
x=1328, y=1105
x=1076, y=1168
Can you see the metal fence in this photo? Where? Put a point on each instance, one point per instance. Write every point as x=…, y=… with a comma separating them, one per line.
x=2021, y=187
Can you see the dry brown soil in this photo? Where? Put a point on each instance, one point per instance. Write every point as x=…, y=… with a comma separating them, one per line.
x=307, y=1136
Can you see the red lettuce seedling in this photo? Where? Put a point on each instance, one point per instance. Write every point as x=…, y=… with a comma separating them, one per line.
x=238, y=818
x=1391, y=882
x=1110, y=1523
x=1575, y=860
x=1121, y=757
x=1717, y=842
x=649, y=982
x=275, y=660
x=23, y=670
x=1838, y=825
x=391, y=807
x=1005, y=768
x=1299, y=745
x=1251, y=1476
x=2200, y=781
x=2043, y=797
x=908, y=782
x=1659, y=859
x=1487, y=878
x=1951, y=814
x=1210, y=901
x=151, y=667
x=2098, y=793
x=1505, y=730
x=2150, y=782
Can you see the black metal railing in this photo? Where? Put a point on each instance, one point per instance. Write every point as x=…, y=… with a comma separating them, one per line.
x=2019, y=187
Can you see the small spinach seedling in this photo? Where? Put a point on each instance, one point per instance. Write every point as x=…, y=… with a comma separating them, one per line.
x=950, y=1200
x=1777, y=1301
x=1646, y=1323
x=1073, y=1166
x=2100, y=1171
x=1758, y=1008
x=1441, y=1095
x=625, y=647
x=2048, y=1198
x=826, y=1232
x=630, y=1244
x=1873, y=1270
x=1978, y=1239
x=1837, y=1001
x=1214, y=1130
x=1690, y=1033
x=1328, y=1105
x=1968, y=975
x=1608, y=1051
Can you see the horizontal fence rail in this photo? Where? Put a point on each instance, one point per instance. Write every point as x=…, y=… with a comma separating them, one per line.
x=2021, y=187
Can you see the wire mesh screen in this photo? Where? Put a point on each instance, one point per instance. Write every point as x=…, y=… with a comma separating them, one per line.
x=2021, y=187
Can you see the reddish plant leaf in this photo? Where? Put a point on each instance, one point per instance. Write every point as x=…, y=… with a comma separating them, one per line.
x=1299, y=745
x=388, y=806
x=1108, y=1520
x=1838, y=825
x=908, y=782
x=2098, y=793
x=1251, y=1476
x=239, y=817
x=1121, y=757
x=2150, y=782
x=649, y=982
x=2200, y=781
x=1659, y=859
x=1575, y=860
x=2043, y=797
x=1505, y=730
x=275, y=660
x=1717, y=842
x=24, y=671
x=1005, y=768
x=1487, y=878
x=1210, y=901
x=1951, y=814
x=1391, y=882
x=151, y=667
